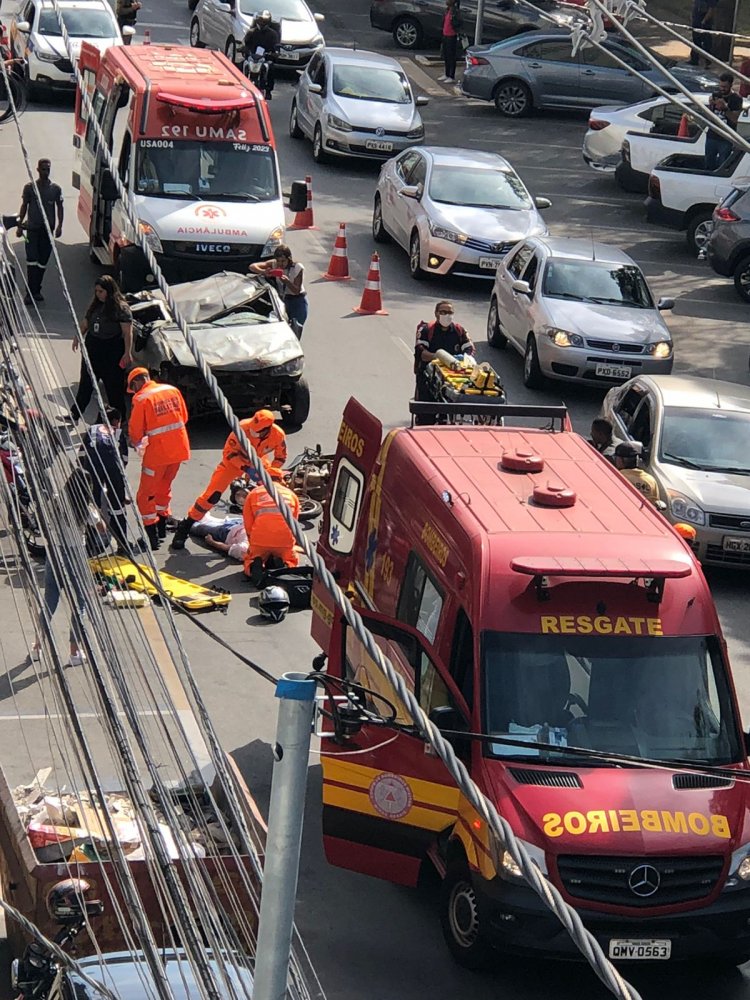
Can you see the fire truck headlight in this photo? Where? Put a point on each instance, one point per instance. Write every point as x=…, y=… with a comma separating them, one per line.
x=685, y=509
x=509, y=870
x=739, y=869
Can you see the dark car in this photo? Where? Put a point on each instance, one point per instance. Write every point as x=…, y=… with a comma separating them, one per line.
x=417, y=23
x=728, y=246
x=539, y=70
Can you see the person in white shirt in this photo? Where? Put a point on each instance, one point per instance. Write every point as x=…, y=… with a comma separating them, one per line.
x=289, y=276
x=227, y=535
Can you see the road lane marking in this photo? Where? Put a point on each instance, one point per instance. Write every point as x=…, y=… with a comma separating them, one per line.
x=403, y=347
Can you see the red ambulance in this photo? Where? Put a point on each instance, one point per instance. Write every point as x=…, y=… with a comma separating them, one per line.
x=528, y=593
x=193, y=146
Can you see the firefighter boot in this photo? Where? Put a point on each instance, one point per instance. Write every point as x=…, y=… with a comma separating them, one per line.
x=152, y=532
x=183, y=530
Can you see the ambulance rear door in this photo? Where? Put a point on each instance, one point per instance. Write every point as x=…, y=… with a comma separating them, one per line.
x=388, y=800
x=356, y=452
x=84, y=138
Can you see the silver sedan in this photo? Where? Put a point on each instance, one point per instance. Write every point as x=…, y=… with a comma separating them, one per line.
x=355, y=103
x=579, y=311
x=455, y=211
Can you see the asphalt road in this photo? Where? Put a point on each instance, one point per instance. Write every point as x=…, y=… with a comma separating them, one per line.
x=369, y=939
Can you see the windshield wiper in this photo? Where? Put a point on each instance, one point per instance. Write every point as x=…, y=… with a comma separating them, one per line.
x=681, y=460
x=243, y=195
x=567, y=295
x=740, y=470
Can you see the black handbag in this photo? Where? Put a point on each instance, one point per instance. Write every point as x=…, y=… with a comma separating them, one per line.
x=297, y=582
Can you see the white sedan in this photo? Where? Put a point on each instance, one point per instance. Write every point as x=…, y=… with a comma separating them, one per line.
x=608, y=126
x=35, y=36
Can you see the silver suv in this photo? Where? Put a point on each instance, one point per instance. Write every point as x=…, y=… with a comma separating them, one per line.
x=728, y=247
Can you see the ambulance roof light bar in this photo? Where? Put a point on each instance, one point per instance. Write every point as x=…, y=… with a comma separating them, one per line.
x=497, y=410
x=653, y=572
x=205, y=105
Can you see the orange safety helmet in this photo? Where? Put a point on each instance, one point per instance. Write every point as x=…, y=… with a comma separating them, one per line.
x=137, y=373
x=260, y=420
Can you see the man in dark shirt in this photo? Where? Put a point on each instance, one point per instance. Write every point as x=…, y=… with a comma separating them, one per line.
x=702, y=22
x=442, y=334
x=263, y=36
x=38, y=245
x=726, y=105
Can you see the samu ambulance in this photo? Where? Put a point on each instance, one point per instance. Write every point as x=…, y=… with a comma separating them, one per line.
x=530, y=595
x=193, y=144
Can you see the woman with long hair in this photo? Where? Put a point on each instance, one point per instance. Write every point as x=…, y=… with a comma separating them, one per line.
x=107, y=331
x=289, y=276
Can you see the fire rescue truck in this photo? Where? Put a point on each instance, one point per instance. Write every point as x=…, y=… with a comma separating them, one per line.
x=193, y=146
x=551, y=621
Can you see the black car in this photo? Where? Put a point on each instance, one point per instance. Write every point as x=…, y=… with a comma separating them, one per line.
x=417, y=23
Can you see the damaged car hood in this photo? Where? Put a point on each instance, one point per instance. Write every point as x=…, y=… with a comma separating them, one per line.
x=240, y=346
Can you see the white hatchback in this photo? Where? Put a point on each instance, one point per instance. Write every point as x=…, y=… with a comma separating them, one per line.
x=35, y=36
x=223, y=26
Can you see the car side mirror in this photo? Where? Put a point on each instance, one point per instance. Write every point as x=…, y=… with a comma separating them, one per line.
x=225, y=8
x=522, y=287
x=665, y=304
x=422, y=101
x=23, y=26
x=298, y=196
x=108, y=190
x=542, y=203
x=746, y=741
x=315, y=88
x=411, y=191
x=445, y=717
x=319, y=18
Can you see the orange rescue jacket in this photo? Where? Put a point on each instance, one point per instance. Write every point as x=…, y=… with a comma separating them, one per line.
x=275, y=442
x=159, y=415
x=264, y=524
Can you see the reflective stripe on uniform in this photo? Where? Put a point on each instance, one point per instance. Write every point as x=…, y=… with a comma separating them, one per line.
x=147, y=472
x=167, y=427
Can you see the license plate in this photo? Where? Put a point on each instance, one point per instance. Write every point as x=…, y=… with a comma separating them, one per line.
x=378, y=146
x=491, y=263
x=291, y=56
x=736, y=544
x=613, y=371
x=635, y=949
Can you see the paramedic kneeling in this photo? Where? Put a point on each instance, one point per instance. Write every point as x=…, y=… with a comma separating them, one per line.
x=270, y=541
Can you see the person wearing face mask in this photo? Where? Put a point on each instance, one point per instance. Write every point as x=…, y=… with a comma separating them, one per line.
x=442, y=334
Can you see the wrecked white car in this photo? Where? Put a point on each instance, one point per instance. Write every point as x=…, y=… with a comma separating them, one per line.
x=240, y=326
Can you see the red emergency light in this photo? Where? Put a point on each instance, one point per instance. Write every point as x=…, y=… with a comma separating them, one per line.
x=207, y=106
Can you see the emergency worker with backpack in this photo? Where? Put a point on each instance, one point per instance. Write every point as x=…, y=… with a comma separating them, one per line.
x=443, y=333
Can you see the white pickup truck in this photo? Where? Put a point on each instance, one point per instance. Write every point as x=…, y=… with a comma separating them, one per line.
x=641, y=151
x=683, y=195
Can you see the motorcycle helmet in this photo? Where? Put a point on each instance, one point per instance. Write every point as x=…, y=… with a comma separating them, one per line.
x=274, y=603
x=67, y=902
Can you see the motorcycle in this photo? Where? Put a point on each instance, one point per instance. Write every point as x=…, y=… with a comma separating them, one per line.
x=309, y=475
x=256, y=67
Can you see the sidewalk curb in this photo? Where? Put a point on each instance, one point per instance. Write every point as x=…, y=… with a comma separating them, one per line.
x=428, y=60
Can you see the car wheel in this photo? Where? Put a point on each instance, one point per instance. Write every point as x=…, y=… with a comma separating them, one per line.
x=407, y=33
x=742, y=279
x=131, y=269
x=462, y=920
x=532, y=372
x=513, y=98
x=495, y=336
x=379, y=233
x=319, y=154
x=195, y=34
x=230, y=50
x=33, y=90
x=294, y=130
x=699, y=230
x=415, y=257
x=297, y=399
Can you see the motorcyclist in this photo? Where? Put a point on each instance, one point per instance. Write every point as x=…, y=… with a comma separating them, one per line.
x=263, y=35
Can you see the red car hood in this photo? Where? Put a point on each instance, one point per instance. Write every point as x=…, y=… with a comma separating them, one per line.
x=620, y=811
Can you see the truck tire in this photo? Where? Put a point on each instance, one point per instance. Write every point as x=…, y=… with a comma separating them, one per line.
x=495, y=336
x=462, y=920
x=742, y=279
x=131, y=268
x=297, y=397
x=699, y=230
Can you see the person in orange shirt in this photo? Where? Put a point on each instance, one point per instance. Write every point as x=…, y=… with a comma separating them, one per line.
x=157, y=430
x=270, y=540
x=265, y=436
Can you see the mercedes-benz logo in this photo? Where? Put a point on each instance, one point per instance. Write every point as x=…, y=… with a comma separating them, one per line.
x=615, y=347
x=379, y=130
x=644, y=880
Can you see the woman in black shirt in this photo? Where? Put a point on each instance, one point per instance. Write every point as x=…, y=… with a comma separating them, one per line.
x=107, y=330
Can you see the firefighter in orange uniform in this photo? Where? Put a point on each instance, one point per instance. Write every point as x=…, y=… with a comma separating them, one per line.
x=157, y=430
x=265, y=436
x=270, y=541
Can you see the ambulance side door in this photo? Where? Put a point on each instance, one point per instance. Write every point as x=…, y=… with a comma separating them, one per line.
x=386, y=805
x=84, y=138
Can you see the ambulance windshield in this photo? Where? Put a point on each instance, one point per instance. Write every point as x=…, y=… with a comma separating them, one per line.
x=664, y=698
x=206, y=171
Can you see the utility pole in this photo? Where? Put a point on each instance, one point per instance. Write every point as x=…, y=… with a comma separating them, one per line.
x=480, y=23
x=725, y=19
x=296, y=696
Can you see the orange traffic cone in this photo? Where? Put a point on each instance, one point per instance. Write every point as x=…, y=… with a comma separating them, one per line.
x=338, y=266
x=304, y=219
x=372, y=303
x=147, y=37
x=683, y=131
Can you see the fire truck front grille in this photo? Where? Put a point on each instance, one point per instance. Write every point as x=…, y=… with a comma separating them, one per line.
x=639, y=882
